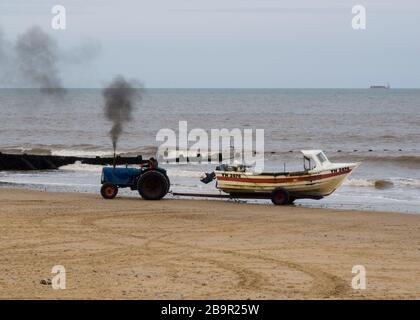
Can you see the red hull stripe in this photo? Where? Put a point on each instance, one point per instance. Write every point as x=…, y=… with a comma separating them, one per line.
x=284, y=180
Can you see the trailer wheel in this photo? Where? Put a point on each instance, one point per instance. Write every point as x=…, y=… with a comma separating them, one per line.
x=152, y=185
x=109, y=191
x=280, y=197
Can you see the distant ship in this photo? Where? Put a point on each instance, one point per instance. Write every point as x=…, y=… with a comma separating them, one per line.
x=381, y=87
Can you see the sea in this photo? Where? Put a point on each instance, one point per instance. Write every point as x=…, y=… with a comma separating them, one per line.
x=378, y=127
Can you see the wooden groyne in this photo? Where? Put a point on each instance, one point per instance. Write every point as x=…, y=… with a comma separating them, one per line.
x=25, y=162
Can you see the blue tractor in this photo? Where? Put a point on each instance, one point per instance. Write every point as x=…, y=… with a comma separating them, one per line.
x=149, y=180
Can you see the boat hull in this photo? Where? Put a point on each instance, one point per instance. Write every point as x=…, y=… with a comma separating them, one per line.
x=313, y=185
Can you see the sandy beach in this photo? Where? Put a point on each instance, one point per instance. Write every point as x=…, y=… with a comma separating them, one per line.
x=129, y=248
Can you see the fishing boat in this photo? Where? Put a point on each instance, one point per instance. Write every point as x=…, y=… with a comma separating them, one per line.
x=319, y=178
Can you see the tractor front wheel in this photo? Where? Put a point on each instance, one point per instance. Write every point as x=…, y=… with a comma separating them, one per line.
x=109, y=191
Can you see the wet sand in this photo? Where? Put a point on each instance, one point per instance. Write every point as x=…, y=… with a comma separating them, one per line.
x=129, y=248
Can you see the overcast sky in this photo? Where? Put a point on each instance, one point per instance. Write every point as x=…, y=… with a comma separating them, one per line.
x=233, y=43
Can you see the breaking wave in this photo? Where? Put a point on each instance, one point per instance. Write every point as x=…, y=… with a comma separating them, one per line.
x=407, y=159
x=98, y=168
x=82, y=150
x=184, y=173
x=412, y=161
x=81, y=167
x=382, y=183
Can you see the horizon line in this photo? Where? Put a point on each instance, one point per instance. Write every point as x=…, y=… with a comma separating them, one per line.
x=220, y=88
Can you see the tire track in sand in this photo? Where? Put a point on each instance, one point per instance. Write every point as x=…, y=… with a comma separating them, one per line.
x=324, y=284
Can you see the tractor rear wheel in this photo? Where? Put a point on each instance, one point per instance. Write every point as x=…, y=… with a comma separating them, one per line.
x=280, y=197
x=109, y=191
x=152, y=185
x=168, y=184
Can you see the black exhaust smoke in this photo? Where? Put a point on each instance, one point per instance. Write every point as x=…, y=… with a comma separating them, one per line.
x=120, y=97
x=37, y=57
x=34, y=59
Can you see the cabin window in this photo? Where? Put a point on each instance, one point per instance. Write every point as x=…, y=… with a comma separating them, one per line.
x=321, y=157
x=307, y=165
